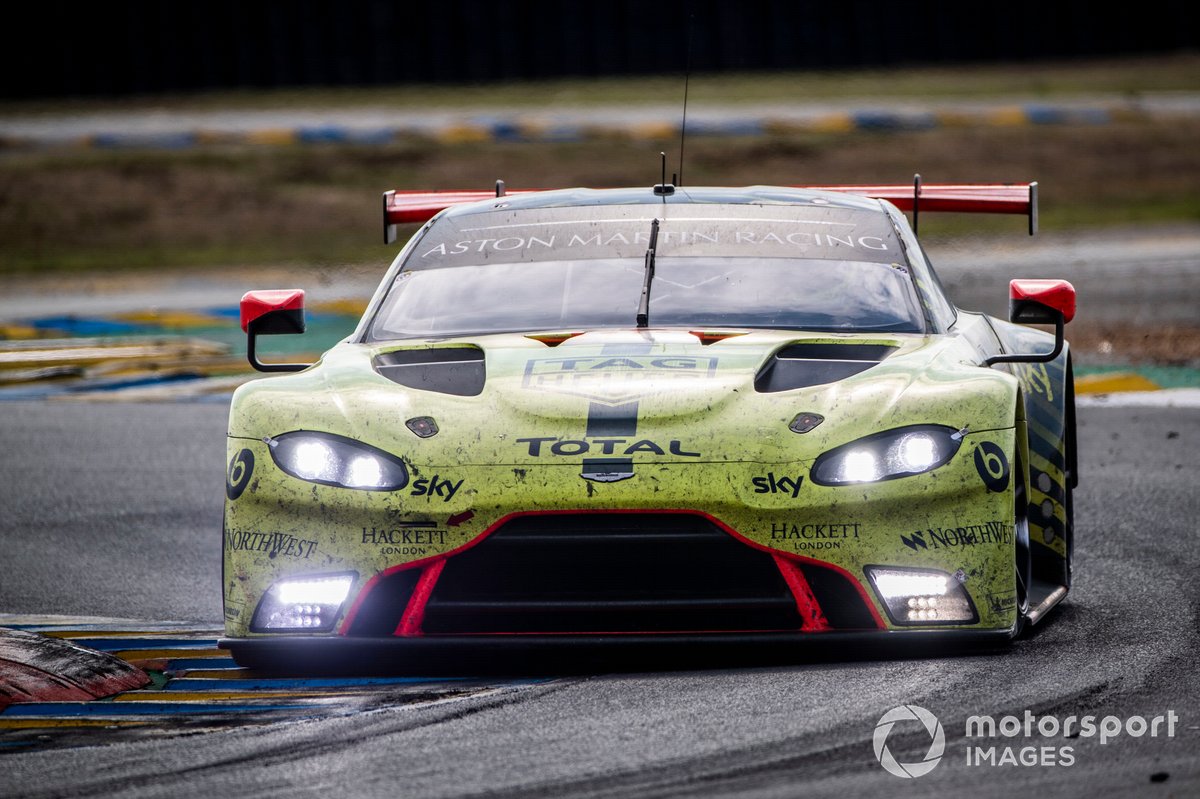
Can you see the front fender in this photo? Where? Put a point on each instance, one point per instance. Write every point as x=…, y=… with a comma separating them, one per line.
x=1049, y=398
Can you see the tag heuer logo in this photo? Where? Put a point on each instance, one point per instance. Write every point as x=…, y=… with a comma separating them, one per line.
x=613, y=379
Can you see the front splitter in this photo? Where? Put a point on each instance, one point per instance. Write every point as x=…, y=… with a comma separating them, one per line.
x=525, y=654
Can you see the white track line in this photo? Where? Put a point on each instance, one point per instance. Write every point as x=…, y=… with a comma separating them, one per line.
x=1167, y=398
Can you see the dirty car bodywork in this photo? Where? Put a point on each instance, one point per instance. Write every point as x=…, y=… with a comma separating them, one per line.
x=803, y=442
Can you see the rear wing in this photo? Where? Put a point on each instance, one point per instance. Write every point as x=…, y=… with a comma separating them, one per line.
x=966, y=198
x=400, y=207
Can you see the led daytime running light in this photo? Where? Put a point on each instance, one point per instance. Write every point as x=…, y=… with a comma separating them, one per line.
x=902, y=452
x=311, y=603
x=921, y=597
x=337, y=461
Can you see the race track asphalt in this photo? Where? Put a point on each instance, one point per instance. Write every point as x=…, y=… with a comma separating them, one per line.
x=115, y=510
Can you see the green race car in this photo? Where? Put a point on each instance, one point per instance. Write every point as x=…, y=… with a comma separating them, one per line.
x=654, y=416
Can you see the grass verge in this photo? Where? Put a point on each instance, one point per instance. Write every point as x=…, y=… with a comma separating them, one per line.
x=91, y=211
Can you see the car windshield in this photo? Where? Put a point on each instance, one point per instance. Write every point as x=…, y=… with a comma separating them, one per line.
x=789, y=293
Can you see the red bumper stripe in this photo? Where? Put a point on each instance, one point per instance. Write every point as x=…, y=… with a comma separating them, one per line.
x=414, y=614
x=813, y=620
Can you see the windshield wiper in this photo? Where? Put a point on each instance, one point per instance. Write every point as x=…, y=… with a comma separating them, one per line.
x=643, y=313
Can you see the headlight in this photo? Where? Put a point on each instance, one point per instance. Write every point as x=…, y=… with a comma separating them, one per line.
x=336, y=461
x=921, y=596
x=310, y=603
x=887, y=455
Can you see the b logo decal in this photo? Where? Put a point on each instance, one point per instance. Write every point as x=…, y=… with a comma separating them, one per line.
x=238, y=476
x=992, y=466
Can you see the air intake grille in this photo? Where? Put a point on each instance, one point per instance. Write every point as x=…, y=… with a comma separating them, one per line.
x=446, y=370
x=610, y=573
x=813, y=364
x=381, y=614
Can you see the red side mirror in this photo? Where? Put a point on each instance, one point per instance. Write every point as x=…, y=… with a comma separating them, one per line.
x=273, y=311
x=1040, y=302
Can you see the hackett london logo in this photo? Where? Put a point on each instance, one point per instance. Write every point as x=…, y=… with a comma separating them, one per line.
x=614, y=379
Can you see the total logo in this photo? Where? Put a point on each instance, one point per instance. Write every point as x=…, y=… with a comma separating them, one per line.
x=602, y=446
x=937, y=744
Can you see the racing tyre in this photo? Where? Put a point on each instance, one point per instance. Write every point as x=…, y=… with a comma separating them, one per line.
x=1023, y=558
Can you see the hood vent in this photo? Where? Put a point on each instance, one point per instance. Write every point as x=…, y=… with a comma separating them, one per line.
x=801, y=365
x=446, y=370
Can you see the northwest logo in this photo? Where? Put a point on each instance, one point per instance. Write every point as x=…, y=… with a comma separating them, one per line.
x=271, y=543
x=959, y=537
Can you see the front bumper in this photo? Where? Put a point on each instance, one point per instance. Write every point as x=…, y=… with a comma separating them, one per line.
x=947, y=520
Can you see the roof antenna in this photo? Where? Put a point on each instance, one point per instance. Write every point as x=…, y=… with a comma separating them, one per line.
x=664, y=188
x=687, y=73
x=499, y=188
x=916, y=202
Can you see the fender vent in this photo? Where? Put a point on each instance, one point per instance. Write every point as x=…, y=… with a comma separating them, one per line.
x=801, y=365
x=446, y=370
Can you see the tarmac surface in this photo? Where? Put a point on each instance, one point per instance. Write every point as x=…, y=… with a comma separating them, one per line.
x=115, y=509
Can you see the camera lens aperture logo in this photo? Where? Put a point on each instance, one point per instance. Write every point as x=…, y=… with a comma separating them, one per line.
x=937, y=744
